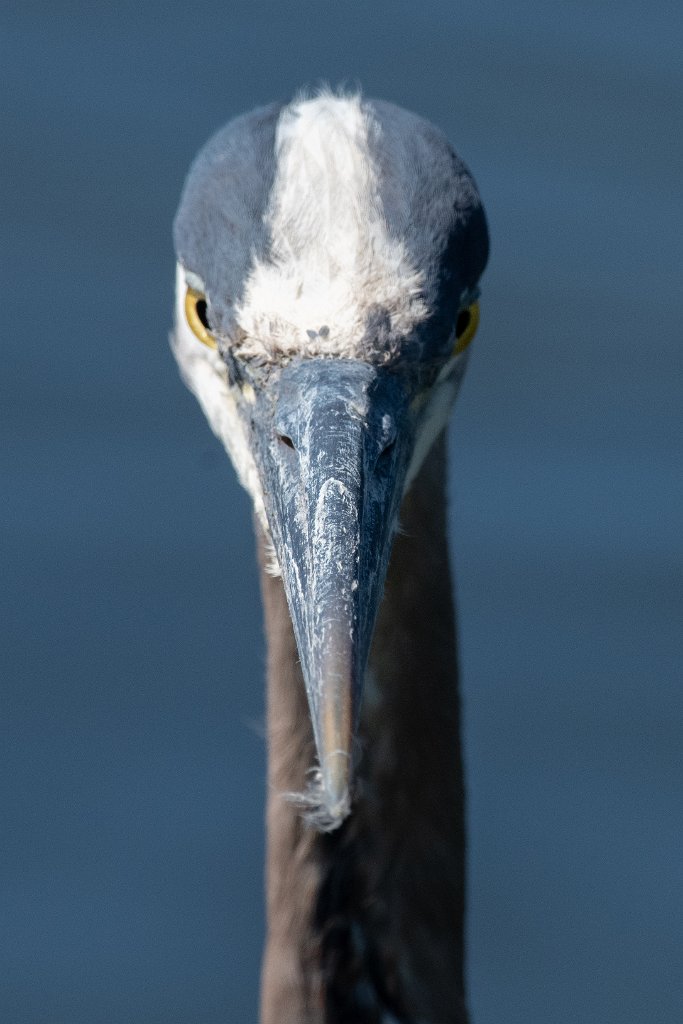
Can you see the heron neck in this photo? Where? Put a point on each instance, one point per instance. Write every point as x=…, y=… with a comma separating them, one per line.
x=367, y=922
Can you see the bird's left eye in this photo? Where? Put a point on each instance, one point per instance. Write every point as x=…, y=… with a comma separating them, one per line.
x=466, y=327
x=196, y=313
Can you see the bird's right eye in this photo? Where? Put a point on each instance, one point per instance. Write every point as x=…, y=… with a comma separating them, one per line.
x=466, y=327
x=196, y=313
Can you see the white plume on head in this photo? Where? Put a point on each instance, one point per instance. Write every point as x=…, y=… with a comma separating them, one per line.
x=332, y=260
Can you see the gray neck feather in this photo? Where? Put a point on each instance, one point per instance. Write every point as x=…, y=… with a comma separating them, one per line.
x=365, y=925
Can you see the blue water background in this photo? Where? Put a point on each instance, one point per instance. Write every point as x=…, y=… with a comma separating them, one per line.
x=132, y=757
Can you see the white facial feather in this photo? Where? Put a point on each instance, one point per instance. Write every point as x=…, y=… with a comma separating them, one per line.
x=332, y=261
x=438, y=403
x=205, y=374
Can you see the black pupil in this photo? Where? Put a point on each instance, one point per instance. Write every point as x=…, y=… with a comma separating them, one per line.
x=201, y=313
x=462, y=323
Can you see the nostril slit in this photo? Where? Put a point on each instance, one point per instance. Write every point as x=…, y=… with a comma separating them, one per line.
x=386, y=451
x=286, y=440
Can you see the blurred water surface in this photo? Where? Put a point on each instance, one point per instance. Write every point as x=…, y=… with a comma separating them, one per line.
x=132, y=774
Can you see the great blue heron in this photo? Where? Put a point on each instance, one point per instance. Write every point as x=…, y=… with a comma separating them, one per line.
x=329, y=253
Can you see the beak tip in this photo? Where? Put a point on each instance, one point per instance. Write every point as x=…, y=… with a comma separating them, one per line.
x=331, y=812
x=325, y=804
x=335, y=799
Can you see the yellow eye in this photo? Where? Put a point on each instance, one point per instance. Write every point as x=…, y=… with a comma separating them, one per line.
x=466, y=327
x=196, y=313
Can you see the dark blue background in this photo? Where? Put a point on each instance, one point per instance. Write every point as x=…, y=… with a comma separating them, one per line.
x=132, y=767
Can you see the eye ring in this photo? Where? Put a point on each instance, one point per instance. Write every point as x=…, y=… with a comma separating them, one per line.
x=195, y=311
x=466, y=327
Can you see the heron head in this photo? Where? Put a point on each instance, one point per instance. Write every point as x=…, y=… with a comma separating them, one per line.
x=328, y=259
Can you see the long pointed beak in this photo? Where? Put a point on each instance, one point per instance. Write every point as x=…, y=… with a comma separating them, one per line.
x=332, y=442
